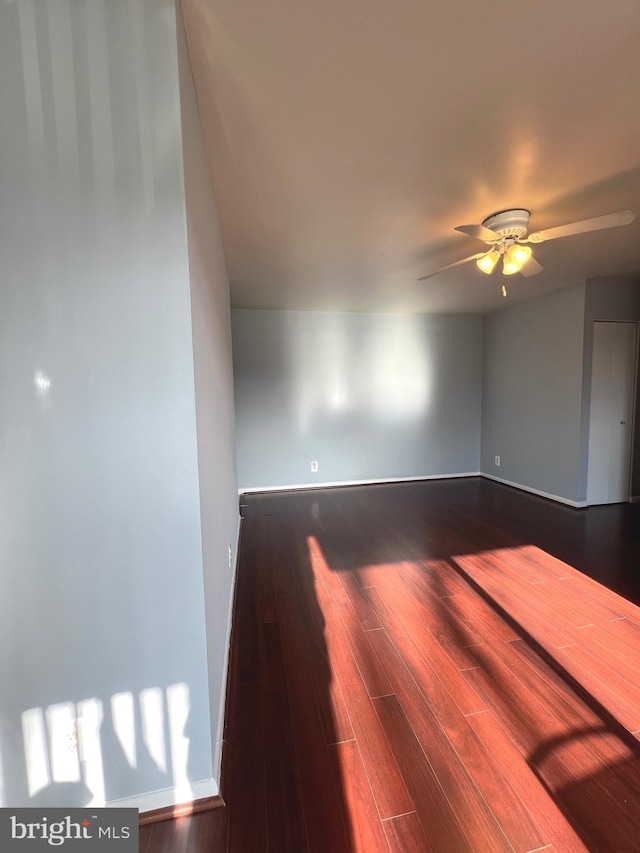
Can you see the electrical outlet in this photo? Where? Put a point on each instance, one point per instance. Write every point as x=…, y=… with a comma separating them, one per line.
x=314, y=467
x=497, y=462
x=230, y=555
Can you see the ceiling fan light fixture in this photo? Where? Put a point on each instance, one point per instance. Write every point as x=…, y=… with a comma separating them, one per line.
x=506, y=231
x=487, y=262
x=509, y=267
x=515, y=258
x=520, y=254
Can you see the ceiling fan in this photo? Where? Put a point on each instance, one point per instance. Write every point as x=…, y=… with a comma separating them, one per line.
x=506, y=233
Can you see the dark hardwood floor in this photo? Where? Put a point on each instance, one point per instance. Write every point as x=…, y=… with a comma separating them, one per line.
x=429, y=667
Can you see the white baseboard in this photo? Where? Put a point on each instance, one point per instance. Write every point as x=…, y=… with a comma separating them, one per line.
x=166, y=797
x=217, y=752
x=558, y=498
x=330, y=484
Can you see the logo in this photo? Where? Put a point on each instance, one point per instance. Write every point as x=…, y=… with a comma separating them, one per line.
x=69, y=829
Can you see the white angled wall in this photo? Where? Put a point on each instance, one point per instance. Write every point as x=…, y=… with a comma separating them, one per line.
x=102, y=611
x=213, y=363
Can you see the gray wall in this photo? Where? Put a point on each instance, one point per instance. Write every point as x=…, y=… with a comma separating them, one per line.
x=532, y=392
x=368, y=396
x=102, y=607
x=607, y=299
x=211, y=324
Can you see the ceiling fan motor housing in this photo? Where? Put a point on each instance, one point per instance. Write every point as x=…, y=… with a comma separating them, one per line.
x=509, y=223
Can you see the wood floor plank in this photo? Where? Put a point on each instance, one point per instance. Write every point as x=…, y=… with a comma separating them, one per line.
x=325, y=818
x=299, y=579
x=343, y=577
x=421, y=648
x=595, y=608
x=209, y=833
x=466, y=609
x=554, y=621
x=511, y=564
x=626, y=632
x=602, y=602
x=245, y=788
x=267, y=609
x=285, y=820
x=453, y=580
x=476, y=819
x=456, y=641
x=614, y=691
x=405, y=834
x=517, y=599
x=605, y=597
x=170, y=836
x=370, y=668
x=144, y=835
x=561, y=713
x=247, y=601
x=588, y=790
x=438, y=636
x=510, y=814
x=359, y=601
x=555, y=777
x=365, y=827
x=386, y=782
x=329, y=698
x=549, y=681
x=540, y=803
x=548, y=735
x=391, y=552
x=521, y=829
x=551, y=592
x=442, y=830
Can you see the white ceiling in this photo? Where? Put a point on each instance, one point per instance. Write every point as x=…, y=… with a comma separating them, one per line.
x=347, y=138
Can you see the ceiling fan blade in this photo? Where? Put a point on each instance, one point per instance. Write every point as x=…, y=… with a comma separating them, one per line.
x=532, y=267
x=610, y=220
x=479, y=231
x=455, y=264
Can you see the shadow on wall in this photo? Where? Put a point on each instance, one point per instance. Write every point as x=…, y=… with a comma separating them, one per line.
x=387, y=375
x=72, y=751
